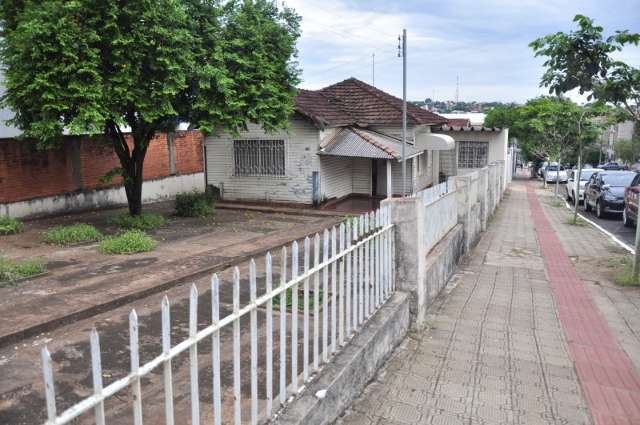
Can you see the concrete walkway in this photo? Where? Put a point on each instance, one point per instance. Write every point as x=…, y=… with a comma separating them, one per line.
x=496, y=350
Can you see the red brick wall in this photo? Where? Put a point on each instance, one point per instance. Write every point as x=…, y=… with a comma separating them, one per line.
x=26, y=173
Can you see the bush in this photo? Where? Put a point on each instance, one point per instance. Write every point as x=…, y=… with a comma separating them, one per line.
x=69, y=235
x=11, y=270
x=10, y=225
x=129, y=242
x=194, y=204
x=144, y=221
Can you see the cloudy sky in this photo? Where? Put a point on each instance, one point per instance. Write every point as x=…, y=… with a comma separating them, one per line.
x=484, y=42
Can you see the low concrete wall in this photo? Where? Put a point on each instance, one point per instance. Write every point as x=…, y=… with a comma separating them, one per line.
x=440, y=217
x=345, y=377
x=152, y=191
x=441, y=262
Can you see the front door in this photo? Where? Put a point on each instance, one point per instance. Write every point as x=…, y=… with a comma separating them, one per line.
x=374, y=177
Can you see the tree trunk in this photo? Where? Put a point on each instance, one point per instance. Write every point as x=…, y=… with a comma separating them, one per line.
x=132, y=162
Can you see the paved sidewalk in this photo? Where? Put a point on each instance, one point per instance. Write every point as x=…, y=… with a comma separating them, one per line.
x=495, y=351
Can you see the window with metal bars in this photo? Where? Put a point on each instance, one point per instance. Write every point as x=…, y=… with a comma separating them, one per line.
x=472, y=154
x=258, y=157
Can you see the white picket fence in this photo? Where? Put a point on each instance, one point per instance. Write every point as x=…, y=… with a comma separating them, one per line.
x=357, y=274
x=433, y=193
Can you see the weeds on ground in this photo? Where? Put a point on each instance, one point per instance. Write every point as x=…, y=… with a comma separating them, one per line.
x=194, y=204
x=129, y=242
x=73, y=234
x=579, y=221
x=289, y=299
x=144, y=221
x=10, y=225
x=12, y=270
x=622, y=270
x=556, y=203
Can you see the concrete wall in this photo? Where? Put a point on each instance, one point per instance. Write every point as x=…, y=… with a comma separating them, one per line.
x=152, y=191
x=440, y=217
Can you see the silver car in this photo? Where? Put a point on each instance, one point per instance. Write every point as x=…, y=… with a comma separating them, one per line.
x=571, y=183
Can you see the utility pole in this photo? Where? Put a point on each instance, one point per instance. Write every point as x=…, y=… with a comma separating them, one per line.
x=373, y=69
x=402, y=51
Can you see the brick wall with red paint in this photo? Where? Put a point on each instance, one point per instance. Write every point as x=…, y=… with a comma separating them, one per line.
x=79, y=164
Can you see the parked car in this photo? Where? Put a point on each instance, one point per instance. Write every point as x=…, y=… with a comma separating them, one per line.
x=610, y=166
x=630, y=211
x=555, y=173
x=585, y=175
x=542, y=168
x=605, y=191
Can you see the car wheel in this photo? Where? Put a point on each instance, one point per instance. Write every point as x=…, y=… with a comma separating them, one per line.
x=625, y=219
x=599, y=211
x=587, y=206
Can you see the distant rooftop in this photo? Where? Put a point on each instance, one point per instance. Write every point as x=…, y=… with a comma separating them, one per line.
x=475, y=118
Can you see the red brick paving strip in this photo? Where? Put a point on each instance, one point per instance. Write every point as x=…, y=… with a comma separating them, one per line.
x=609, y=379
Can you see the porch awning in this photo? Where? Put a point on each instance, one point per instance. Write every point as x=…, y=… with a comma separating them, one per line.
x=435, y=142
x=357, y=143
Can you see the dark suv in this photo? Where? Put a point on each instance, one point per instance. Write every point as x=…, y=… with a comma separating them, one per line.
x=605, y=191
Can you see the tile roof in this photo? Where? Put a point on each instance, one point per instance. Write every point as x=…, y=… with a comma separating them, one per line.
x=459, y=122
x=353, y=102
x=358, y=143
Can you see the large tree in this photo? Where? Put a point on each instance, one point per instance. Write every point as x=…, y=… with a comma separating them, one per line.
x=126, y=70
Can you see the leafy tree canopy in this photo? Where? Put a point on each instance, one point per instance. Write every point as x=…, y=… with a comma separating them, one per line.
x=98, y=67
x=583, y=59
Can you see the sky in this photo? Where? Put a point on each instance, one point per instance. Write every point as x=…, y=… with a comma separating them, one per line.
x=484, y=43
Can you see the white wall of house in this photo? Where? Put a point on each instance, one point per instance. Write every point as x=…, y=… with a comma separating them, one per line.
x=301, y=159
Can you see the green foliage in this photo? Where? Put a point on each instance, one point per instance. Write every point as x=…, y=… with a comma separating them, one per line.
x=627, y=150
x=90, y=67
x=9, y=225
x=73, y=234
x=144, y=221
x=583, y=59
x=194, y=204
x=11, y=270
x=129, y=242
x=289, y=299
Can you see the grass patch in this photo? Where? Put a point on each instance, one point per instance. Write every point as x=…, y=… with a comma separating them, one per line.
x=145, y=221
x=194, y=204
x=579, y=221
x=289, y=299
x=11, y=270
x=622, y=270
x=70, y=235
x=129, y=242
x=10, y=225
x=556, y=203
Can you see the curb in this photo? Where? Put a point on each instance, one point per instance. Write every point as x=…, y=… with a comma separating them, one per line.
x=57, y=322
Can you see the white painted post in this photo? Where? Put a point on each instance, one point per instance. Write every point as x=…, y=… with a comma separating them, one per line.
x=283, y=327
x=325, y=298
x=96, y=369
x=269, y=330
x=305, y=308
x=316, y=303
x=348, y=281
x=193, y=355
x=253, y=319
x=361, y=277
x=334, y=278
x=294, y=318
x=341, y=290
x=389, y=183
x=367, y=276
x=135, y=366
x=166, y=347
x=237, y=401
x=49, y=388
x=376, y=263
x=354, y=283
x=215, y=350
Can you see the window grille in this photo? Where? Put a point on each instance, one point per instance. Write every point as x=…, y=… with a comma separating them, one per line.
x=472, y=154
x=258, y=157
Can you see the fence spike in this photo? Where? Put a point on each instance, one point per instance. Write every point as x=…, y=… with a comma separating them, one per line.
x=334, y=289
x=294, y=318
x=283, y=328
x=215, y=349
x=236, y=348
x=305, y=309
x=135, y=366
x=166, y=347
x=348, y=281
x=316, y=303
x=49, y=387
x=341, y=287
x=96, y=367
x=268, y=264
x=254, y=343
x=193, y=356
x=325, y=298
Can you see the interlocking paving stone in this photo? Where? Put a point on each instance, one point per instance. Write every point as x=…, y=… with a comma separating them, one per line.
x=494, y=351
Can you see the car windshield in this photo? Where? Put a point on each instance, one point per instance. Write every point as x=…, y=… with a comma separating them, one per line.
x=618, y=179
x=586, y=175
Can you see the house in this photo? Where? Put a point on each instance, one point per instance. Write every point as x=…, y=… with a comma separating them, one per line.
x=342, y=141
